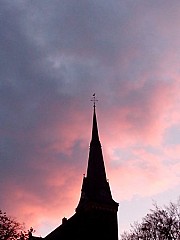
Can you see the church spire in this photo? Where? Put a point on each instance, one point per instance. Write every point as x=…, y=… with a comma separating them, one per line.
x=96, y=213
x=96, y=169
x=95, y=188
x=95, y=135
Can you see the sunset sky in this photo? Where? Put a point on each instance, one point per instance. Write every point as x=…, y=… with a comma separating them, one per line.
x=54, y=54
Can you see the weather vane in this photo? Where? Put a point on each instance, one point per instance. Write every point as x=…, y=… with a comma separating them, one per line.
x=94, y=100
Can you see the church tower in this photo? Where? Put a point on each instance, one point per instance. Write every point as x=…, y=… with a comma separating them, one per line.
x=96, y=213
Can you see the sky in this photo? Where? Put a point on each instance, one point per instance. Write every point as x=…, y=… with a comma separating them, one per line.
x=54, y=54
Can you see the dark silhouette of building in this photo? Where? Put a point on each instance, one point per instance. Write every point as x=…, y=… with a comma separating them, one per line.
x=96, y=213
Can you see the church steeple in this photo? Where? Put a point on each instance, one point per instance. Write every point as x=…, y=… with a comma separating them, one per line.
x=95, y=134
x=96, y=213
x=95, y=188
x=96, y=174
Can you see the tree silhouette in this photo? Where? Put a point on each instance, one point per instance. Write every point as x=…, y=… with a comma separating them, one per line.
x=160, y=223
x=10, y=229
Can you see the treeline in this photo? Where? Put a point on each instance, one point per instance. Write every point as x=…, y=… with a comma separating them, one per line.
x=162, y=223
x=11, y=229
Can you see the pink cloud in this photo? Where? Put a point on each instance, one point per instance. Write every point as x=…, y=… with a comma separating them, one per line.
x=62, y=192
x=124, y=127
x=146, y=174
x=145, y=120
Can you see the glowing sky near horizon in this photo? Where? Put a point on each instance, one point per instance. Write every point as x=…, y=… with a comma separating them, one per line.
x=54, y=54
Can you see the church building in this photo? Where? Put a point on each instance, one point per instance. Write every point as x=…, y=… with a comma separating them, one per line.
x=95, y=217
